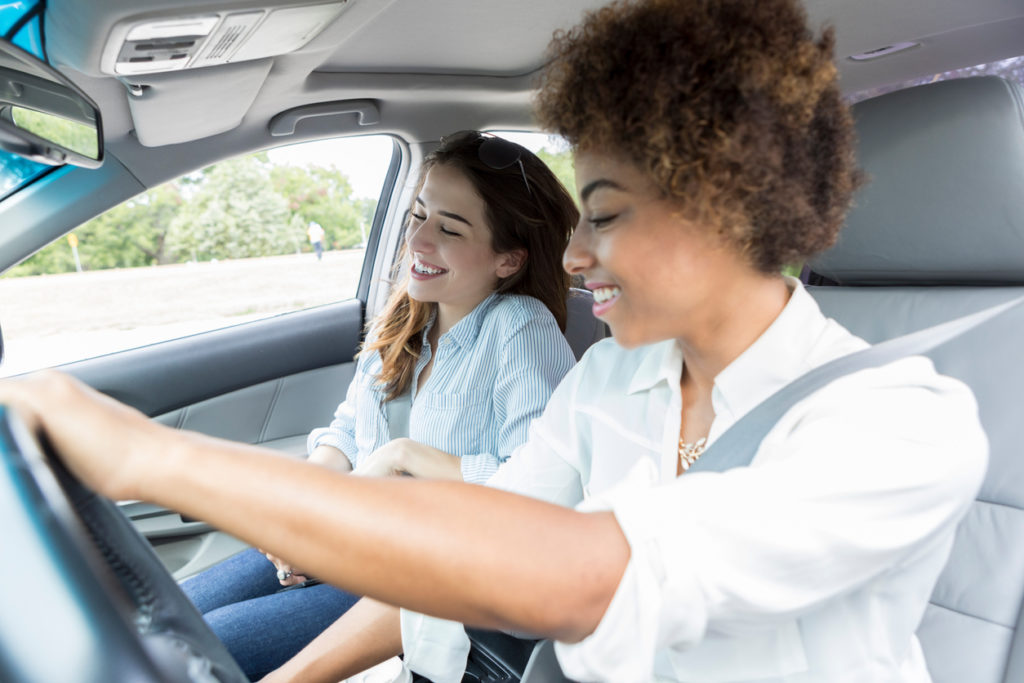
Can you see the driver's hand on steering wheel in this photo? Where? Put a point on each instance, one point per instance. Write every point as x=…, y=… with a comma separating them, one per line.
x=108, y=445
x=286, y=574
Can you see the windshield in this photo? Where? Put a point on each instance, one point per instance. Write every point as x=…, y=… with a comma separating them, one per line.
x=20, y=25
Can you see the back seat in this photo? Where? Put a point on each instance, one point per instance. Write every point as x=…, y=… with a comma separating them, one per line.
x=937, y=234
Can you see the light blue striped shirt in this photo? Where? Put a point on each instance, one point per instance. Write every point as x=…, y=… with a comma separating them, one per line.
x=493, y=374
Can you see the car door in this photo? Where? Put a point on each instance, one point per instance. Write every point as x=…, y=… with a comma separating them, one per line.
x=267, y=380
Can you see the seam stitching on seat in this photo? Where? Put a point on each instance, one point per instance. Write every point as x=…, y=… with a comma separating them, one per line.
x=971, y=616
x=278, y=386
x=998, y=504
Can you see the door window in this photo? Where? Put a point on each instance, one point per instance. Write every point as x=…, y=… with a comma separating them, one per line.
x=247, y=238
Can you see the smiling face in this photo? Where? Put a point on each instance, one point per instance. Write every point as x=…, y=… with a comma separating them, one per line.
x=655, y=275
x=449, y=242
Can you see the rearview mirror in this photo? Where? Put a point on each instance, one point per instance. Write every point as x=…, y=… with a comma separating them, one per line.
x=44, y=116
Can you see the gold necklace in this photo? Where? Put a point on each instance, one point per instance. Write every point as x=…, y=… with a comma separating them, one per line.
x=689, y=452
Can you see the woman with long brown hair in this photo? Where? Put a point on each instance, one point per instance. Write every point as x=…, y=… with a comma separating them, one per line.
x=464, y=355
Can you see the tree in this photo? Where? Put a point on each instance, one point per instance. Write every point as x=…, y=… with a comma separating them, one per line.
x=133, y=233
x=56, y=257
x=128, y=235
x=561, y=164
x=235, y=213
x=323, y=195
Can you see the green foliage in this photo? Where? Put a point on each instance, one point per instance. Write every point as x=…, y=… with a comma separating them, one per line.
x=131, y=234
x=236, y=213
x=54, y=258
x=324, y=195
x=73, y=135
x=562, y=165
x=239, y=208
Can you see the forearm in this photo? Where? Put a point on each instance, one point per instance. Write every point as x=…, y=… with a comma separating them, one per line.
x=427, y=462
x=368, y=634
x=329, y=456
x=558, y=568
x=430, y=546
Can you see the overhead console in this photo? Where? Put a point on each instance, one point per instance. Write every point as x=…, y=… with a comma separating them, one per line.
x=146, y=46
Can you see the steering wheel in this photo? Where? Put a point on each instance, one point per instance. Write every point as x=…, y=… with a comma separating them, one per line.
x=85, y=599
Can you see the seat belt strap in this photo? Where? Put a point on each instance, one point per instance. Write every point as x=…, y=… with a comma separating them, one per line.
x=737, y=446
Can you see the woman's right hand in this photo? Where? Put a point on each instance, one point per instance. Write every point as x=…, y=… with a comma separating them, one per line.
x=403, y=456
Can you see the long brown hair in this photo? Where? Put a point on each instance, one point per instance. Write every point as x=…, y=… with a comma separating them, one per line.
x=534, y=213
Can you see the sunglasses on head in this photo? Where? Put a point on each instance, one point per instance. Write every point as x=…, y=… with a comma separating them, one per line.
x=496, y=153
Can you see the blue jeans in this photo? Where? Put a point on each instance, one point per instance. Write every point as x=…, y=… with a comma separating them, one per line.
x=262, y=626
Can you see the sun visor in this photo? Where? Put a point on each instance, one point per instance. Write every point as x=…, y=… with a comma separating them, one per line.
x=171, y=109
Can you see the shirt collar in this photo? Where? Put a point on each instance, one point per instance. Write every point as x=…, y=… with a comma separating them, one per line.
x=765, y=366
x=465, y=332
x=662, y=363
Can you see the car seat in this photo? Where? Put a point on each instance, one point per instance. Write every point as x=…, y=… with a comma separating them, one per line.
x=582, y=328
x=936, y=234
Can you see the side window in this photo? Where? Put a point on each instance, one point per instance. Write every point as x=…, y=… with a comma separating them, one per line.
x=553, y=150
x=247, y=238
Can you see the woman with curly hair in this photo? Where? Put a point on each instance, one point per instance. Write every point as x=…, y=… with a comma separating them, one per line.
x=711, y=149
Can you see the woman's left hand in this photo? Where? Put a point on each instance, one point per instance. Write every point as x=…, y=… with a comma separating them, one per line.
x=291, y=575
x=109, y=446
x=407, y=457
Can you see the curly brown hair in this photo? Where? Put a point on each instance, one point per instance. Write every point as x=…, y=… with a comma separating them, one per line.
x=730, y=107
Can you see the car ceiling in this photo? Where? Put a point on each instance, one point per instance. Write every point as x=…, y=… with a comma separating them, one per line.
x=435, y=66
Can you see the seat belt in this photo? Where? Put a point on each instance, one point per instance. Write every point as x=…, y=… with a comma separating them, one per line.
x=740, y=442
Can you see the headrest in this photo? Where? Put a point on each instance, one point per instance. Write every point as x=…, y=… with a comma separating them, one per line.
x=944, y=203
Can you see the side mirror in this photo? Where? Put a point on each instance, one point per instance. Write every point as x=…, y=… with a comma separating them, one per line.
x=44, y=116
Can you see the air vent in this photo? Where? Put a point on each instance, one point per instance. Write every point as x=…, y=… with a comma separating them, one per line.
x=228, y=37
x=168, y=44
x=227, y=41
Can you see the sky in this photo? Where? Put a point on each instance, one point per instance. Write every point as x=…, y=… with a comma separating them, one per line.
x=365, y=159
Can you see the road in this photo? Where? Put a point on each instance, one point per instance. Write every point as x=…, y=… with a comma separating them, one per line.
x=51, y=319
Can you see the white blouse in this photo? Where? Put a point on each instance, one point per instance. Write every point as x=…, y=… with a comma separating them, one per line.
x=814, y=563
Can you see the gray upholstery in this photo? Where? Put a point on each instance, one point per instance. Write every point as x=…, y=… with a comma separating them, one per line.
x=581, y=327
x=946, y=201
x=942, y=228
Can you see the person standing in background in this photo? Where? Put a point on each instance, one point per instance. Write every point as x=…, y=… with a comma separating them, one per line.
x=316, y=238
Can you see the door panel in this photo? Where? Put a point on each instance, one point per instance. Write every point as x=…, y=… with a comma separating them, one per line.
x=181, y=372
x=268, y=382
x=273, y=413
x=185, y=547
